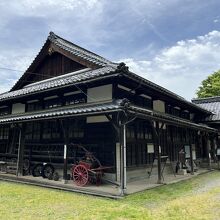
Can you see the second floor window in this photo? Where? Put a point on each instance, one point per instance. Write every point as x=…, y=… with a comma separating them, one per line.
x=52, y=103
x=34, y=106
x=75, y=99
x=4, y=110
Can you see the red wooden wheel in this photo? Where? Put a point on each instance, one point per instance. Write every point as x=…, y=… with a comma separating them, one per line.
x=80, y=175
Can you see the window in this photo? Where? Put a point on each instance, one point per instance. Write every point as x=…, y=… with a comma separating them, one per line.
x=51, y=130
x=4, y=133
x=124, y=92
x=144, y=101
x=33, y=130
x=29, y=131
x=76, y=128
x=185, y=114
x=5, y=110
x=144, y=131
x=176, y=112
x=52, y=103
x=130, y=132
x=173, y=110
x=147, y=132
x=34, y=106
x=169, y=109
x=75, y=99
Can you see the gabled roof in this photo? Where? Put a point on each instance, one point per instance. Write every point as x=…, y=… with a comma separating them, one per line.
x=99, y=68
x=78, y=51
x=54, y=43
x=211, y=104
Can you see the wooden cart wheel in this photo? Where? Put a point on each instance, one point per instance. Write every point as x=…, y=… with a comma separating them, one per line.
x=47, y=171
x=80, y=175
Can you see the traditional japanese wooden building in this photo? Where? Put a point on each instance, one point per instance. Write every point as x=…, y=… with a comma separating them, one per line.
x=211, y=104
x=71, y=95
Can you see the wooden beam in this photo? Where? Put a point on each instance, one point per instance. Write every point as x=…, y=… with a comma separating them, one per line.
x=115, y=126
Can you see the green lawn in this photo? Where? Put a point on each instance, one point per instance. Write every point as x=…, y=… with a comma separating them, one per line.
x=198, y=198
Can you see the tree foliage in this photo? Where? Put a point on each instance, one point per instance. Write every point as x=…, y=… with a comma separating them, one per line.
x=210, y=86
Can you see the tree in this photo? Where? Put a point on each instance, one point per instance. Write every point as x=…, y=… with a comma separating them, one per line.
x=210, y=86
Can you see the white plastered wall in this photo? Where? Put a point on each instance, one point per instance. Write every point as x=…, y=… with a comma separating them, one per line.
x=98, y=94
x=159, y=106
x=18, y=108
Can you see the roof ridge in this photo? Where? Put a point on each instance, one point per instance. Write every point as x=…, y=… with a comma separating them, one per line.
x=206, y=99
x=55, y=39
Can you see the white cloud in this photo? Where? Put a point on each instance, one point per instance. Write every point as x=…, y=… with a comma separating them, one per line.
x=17, y=61
x=182, y=67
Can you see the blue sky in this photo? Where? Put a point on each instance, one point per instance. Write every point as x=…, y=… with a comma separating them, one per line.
x=174, y=43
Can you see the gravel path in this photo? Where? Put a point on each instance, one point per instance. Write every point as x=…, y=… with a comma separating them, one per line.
x=207, y=184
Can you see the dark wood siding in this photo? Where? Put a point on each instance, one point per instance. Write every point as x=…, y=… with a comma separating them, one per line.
x=53, y=65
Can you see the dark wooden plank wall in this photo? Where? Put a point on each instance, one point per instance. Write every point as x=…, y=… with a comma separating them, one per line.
x=54, y=65
x=45, y=140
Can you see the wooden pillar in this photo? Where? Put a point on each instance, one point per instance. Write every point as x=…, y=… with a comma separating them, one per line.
x=21, y=146
x=30, y=158
x=208, y=151
x=123, y=166
x=65, y=163
x=158, y=152
x=191, y=154
x=65, y=150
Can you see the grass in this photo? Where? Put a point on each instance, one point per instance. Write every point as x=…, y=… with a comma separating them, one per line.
x=184, y=200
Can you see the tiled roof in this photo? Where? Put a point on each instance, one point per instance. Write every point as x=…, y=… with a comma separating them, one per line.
x=74, y=49
x=78, y=51
x=211, y=104
x=166, y=91
x=97, y=108
x=104, y=66
x=86, y=109
x=56, y=82
x=170, y=118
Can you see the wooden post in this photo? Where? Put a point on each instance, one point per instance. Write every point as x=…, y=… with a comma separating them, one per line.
x=65, y=151
x=123, y=173
x=158, y=150
x=191, y=160
x=21, y=146
x=208, y=151
x=65, y=164
x=191, y=154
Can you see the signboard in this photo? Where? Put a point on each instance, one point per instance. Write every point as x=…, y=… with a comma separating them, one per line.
x=187, y=151
x=194, y=154
x=150, y=148
x=194, y=151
